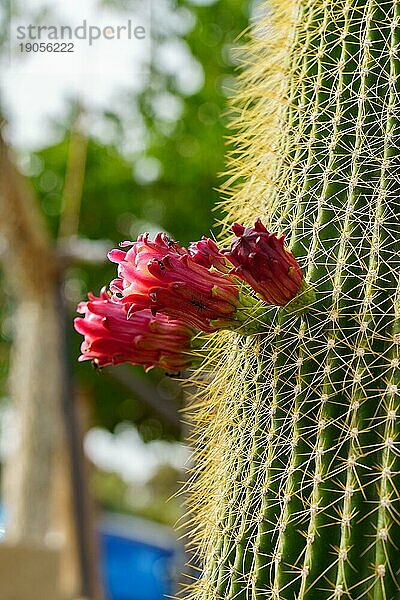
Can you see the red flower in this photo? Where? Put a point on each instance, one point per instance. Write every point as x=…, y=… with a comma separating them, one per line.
x=206, y=253
x=143, y=339
x=261, y=260
x=134, y=272
x=162, y=276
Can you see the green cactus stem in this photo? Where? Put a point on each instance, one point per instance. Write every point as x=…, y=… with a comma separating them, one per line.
x=296, y=490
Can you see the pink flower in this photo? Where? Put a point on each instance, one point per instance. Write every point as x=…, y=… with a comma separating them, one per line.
x=205, y=252
x=261, y=260
x=133, y=271
x=162, y=276
x=143, y=339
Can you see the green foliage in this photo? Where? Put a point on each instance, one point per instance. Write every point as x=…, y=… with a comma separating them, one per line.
x=192, y=155
x=118, y=203
x=298, y=494
x=155, y=499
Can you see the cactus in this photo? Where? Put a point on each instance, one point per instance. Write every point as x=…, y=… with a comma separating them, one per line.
x=295, y=492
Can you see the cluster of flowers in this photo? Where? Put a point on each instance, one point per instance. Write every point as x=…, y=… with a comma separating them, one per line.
x=165, y=293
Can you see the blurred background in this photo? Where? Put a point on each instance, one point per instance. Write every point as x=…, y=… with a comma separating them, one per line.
x=97, y=148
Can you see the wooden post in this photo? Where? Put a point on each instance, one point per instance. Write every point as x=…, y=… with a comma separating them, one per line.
x=41, y=392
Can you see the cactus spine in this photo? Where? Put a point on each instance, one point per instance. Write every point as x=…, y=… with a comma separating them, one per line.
x=296, y=495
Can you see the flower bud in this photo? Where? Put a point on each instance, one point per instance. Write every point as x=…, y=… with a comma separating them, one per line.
x=110, y=338
x=165, y=278
x=260, y=259
x=205, y=252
